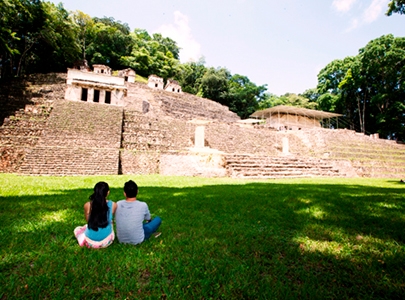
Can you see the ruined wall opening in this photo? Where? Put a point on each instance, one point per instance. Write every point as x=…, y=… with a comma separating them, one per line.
x=84, y=94
x=108, y=97
x=96, y=97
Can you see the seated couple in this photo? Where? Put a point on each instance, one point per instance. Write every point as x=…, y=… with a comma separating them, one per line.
x=133, y=220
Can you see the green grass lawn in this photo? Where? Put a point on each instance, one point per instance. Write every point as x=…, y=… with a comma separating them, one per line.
x=221, y=239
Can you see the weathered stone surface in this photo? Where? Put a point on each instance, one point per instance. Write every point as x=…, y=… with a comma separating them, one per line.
x=139, y=162
x=206, y=164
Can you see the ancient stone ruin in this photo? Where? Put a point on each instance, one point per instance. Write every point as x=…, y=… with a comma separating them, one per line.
x=84, y=123
x=98, y=86
x=155, y=82
x=173, y=86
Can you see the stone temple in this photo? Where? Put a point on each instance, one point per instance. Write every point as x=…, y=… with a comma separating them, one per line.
x=100, y=121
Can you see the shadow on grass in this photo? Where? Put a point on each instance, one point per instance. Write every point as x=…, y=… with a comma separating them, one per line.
x=257, y=240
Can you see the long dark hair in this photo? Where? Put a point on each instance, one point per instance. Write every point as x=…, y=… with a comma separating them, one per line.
x=98, y=208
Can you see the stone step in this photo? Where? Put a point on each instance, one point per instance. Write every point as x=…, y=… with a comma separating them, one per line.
x=248, y=166
x=21, y=141
x=67, y=161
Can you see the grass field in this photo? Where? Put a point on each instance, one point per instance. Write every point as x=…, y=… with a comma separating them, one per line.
x=221, y=239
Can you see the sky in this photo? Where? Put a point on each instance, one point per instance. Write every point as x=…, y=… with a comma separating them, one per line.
x=283, y=44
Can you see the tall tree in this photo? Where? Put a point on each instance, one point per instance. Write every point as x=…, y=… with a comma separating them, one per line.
x=57, y=48
x=244, y=95
x=214, y=85
x=108, y=43
x=383, y=69
x=84, y=25
x=331, y=97
x=190, y=74
x=369, y=89
x=22, y=21
x=152, y=55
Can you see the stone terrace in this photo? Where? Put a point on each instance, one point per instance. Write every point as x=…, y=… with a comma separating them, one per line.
x=368, y=156
x=186, y=107
x=251, y=166
x=80, y=139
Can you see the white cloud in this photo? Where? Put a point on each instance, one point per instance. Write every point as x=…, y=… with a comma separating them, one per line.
x=375, y=10
x=362, y=15
x=180, y=32
x=343, y=5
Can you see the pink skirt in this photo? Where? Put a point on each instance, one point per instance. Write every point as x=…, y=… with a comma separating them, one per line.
x=83, y=240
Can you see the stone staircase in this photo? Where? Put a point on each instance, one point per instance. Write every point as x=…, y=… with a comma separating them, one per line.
x=80, y=138
x=144, y=133
x=20, y=132
x=44, y=160
x=253, y=166
x=368, y=156
x=187, y=107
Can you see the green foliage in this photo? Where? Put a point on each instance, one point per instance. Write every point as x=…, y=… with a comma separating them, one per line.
x=396, y=6
x=244, y=95
x=189, y=76
x=84, y=25
x=22, y=23
x=214, y=85
x=368, y=88
x=288, y=99
x=108, y=41
x=152, y=55
x=221, y=239
x=35, y=37
x=58, y=47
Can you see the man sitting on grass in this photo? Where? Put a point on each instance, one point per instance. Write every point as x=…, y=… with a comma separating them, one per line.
x=130, y=216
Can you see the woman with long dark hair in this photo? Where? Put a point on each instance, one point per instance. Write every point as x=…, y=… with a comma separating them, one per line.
x=99, y=231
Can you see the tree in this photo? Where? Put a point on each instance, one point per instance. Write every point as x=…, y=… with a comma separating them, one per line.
x=21, y=23
x=244, y=95
x=369, y=88
x=108, y=43
x=396, y=6
x=214, y=85
x=152, y=55
x=167, y=44
x=331, y=97
x=35, y=37
x=383, y=69
x=57, y=47
x=190, y=74
x=8, y=12
x=84, y=25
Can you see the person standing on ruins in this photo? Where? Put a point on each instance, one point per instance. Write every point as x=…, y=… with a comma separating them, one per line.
x=133, y=220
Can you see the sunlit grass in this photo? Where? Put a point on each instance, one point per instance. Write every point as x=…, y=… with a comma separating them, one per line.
x=222, y=239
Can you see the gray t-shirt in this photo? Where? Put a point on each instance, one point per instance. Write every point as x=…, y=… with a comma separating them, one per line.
x=129, y=219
